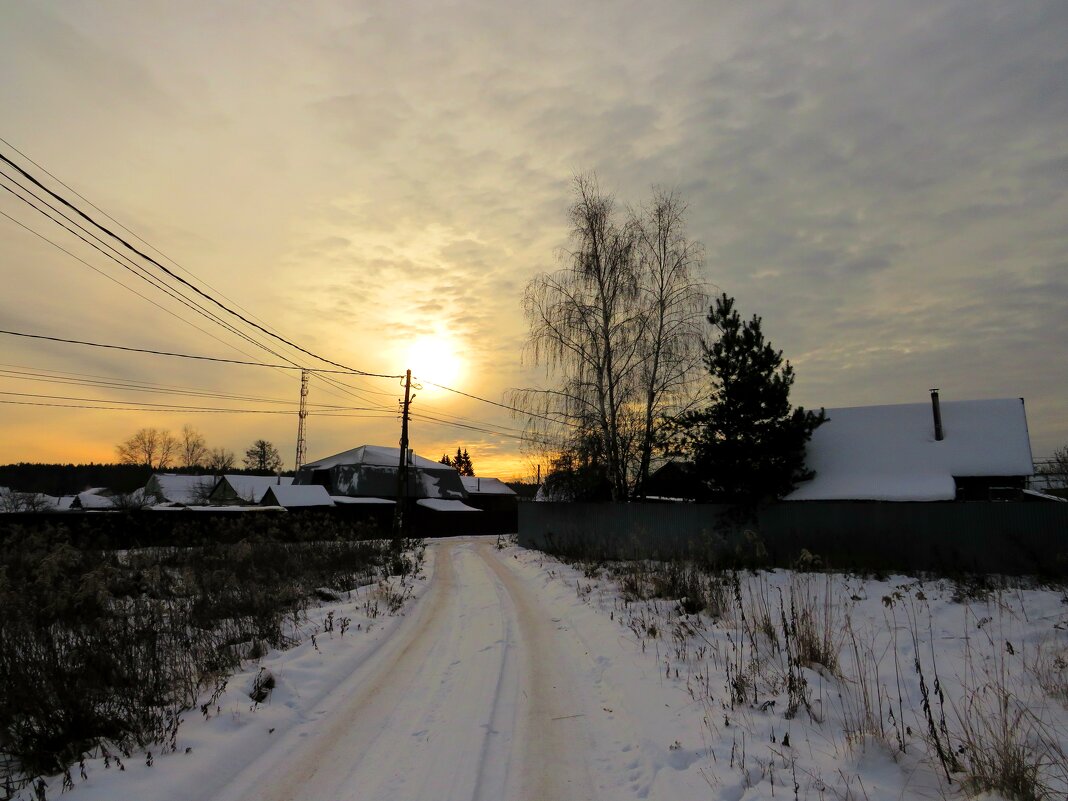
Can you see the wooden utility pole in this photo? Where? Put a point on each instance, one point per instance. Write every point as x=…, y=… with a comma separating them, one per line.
x=399, y=522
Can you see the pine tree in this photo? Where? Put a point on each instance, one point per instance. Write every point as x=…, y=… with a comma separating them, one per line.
x=461, y=461
x=747, y=444
x=445, y=459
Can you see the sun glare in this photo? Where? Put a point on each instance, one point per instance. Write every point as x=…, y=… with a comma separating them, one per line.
x=435, y=358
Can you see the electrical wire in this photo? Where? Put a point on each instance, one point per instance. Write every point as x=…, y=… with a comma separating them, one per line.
x=138, y=238
x=495, y=403
x=196, y=410
x=181, y=280
x=170, y=353
x=131, y=266
x=338, y=385
x=99, y=382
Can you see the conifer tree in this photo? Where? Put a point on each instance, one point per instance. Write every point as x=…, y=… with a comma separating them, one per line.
x=461, y=461
x=747, y=444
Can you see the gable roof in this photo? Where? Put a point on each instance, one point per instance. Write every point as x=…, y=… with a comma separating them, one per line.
x=372, y=471
x=890, y=452
x=94, y=498
x=377, y=455
x=247, y=488
x=442, y=505
x=186, y=490
x=476, y=485
x=293, y=495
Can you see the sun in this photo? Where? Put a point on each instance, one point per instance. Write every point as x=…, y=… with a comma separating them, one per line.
x=435, y=358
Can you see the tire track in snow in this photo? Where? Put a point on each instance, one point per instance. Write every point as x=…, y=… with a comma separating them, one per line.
x=429, y=716
x=552, y=740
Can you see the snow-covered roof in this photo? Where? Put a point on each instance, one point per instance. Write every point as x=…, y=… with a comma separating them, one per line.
x=63, y=502
x=95, y=499
x=251, y=488
x=293, y=495
x=890, y=453
x=1044, y=496
x=441, y=505
x=485, y=486
x=347, y=500
x=371, y=455
x=228, y=508
x=186, y=490
x=35, y=501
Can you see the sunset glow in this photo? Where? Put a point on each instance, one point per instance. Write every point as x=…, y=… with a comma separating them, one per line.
x=884, y=184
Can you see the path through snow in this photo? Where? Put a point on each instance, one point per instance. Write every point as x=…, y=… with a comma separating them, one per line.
x=472, y=697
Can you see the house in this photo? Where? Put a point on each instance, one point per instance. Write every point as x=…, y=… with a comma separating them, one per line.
x=499, y=501
x=291, y=496
x=231, y=489
x=169, y=488
x=937, y=451
x=370, y=471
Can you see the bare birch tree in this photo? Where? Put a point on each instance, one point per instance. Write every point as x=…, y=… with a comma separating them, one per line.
x=674, y=303
x=194, y=448
x=617, y=328
x=220, y=460
x=151, y=447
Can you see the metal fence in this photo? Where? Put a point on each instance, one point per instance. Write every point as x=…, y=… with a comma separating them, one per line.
x=1009, y=538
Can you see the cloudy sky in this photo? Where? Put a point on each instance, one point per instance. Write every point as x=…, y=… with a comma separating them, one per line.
x=883, y=182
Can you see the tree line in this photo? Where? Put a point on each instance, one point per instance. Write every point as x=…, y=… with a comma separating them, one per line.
x=636, y=376
x=159, y=449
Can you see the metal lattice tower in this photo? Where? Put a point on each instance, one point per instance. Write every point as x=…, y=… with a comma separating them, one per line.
x=302, y=446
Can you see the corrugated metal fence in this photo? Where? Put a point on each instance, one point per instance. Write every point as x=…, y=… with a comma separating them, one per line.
x=1010, y=538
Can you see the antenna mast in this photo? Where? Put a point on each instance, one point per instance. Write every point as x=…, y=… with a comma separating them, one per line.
x=302, y=446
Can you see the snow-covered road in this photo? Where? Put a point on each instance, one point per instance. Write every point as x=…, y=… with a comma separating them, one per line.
x=512, y=676
x=471, y=697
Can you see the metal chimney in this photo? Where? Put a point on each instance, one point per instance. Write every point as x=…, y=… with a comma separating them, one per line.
x=936, y=409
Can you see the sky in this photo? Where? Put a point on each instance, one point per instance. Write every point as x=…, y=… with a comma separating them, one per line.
x=883, y=183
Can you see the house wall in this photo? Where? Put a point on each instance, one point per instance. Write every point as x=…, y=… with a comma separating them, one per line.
x=986, y=537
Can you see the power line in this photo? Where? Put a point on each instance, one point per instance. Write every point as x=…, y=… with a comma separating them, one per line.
x=128, y=264
x=97, y=270
x=132, y=233
x=134, y=291
x=196, y=307
x=181, y=280
x=175, y=406
x=100, y=382
x=191, y=410
x=157, y=250
x=172, y=353
x=439, y=421
x=500, y=405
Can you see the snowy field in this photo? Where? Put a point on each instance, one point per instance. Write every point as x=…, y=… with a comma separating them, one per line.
x=508, y=675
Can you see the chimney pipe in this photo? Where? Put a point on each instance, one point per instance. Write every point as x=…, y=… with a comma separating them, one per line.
x=939, y=434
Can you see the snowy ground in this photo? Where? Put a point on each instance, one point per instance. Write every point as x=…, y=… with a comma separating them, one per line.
x=511, y=676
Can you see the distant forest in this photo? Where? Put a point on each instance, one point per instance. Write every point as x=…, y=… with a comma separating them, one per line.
x=70, y=479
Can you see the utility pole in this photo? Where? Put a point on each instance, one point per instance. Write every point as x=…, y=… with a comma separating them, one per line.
x=399, y=527
x=302, y=446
